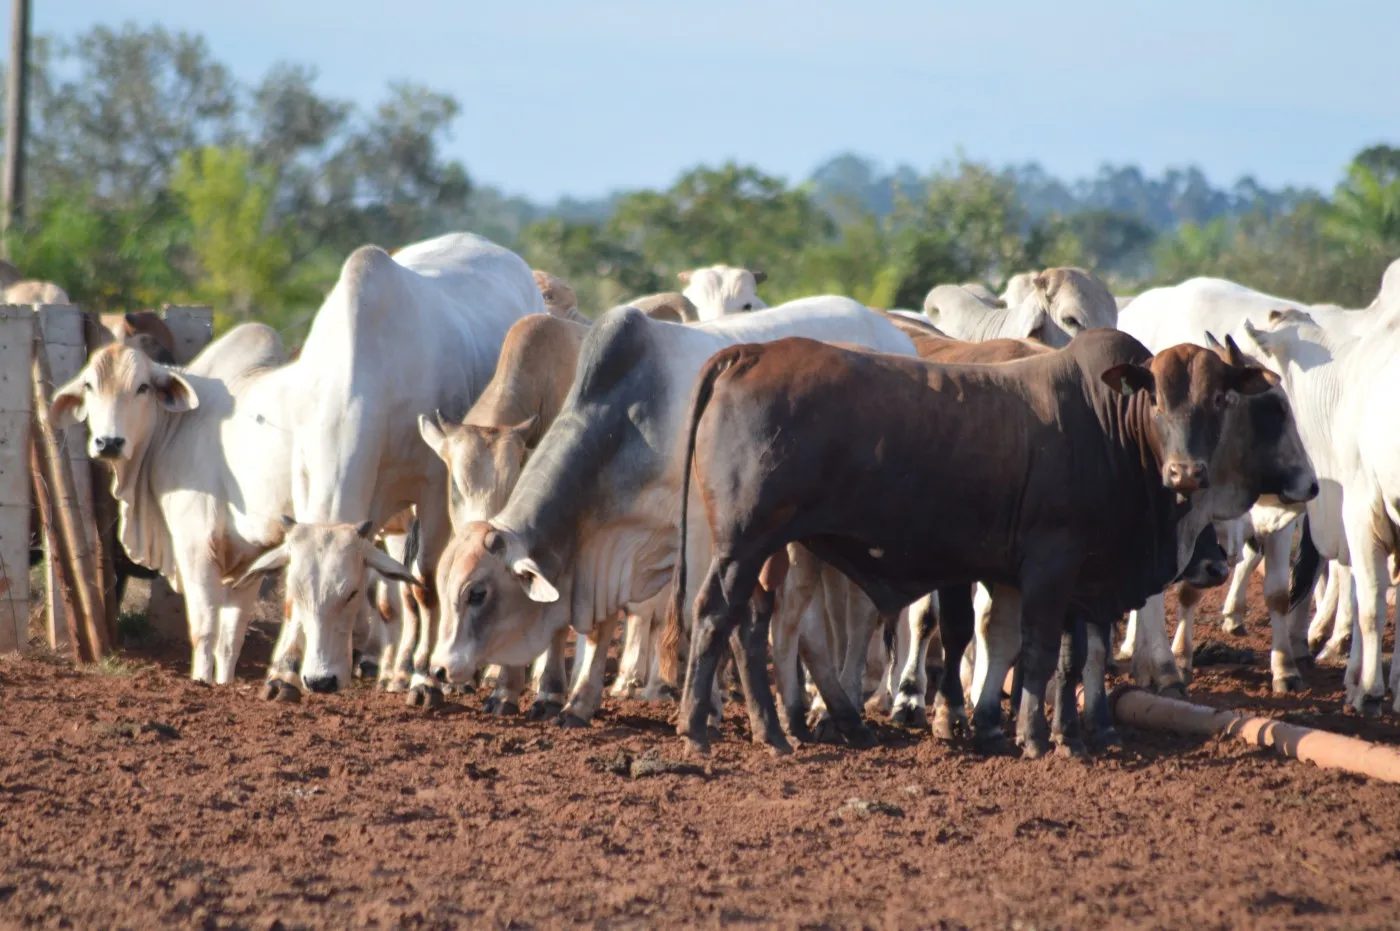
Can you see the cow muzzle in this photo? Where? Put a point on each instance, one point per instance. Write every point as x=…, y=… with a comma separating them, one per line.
x=1301, y=488
x=1185, y=475
x=108, y=447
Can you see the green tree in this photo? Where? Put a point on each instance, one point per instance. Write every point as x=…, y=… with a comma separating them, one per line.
x=244, y=259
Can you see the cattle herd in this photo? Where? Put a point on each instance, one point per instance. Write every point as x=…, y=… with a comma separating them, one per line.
x=458, y=473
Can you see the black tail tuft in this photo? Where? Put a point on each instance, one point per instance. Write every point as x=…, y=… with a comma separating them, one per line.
x=1305, y=568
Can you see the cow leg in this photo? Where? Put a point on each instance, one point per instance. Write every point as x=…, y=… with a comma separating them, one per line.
x=1188, y=599
x=504, y=699
x=1154, y=663
x=283, y=668
x=1236, y=605
x=434, y=530
x=234, y=616
x=589, y=666
x=1276, y=565
x=1370, y=576
x=1043, y=607
x=203, y=587
x=1064, y=725
x=724, y=596
x=998, y=634
x=911, y=694
x=551, y=678
x=785, y=633
x=750, y=644
x=955, y=624
x=1098, y=717
x=1127, y=649
x=1326, y=597
x=401, y=672
x=858, y=627
x=1336, y=645
x=636, y=645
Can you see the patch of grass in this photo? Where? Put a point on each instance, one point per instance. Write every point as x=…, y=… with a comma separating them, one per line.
x=113, y=664
x=134, y=628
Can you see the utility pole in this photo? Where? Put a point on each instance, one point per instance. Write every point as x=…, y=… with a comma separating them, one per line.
x=16, y=117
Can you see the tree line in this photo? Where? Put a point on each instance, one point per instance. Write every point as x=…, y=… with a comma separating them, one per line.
x=155, y=176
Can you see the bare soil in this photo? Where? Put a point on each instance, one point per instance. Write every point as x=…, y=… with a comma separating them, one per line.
x=131, y=797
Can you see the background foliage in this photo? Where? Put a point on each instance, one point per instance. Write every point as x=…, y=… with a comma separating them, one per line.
x=154, y=176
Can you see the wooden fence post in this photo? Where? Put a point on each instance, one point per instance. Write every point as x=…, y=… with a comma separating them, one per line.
x=16, y=344
x=59, y=479
x=65, y=344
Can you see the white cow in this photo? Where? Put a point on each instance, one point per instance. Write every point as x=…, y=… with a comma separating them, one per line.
x=1187, y=313
x=720, y=290
x=589, y=528
x=1051, y=306
x=200, y=466
x=1343, y=390
x=396, y=337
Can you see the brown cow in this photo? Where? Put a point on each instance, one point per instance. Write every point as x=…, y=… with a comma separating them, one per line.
x=1072, y=465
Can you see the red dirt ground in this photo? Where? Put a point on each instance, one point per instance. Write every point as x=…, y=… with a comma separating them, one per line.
x=128, y=800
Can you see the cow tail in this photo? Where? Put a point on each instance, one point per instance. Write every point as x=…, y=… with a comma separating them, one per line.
x=670, y=659
x=1303, y=573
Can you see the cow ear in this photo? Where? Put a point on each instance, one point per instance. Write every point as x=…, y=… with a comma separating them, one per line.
x=174, y=392
x=523, y=428
x=432, y=435
x=1251, y=380
x=759, y=275
x=1128, y=378
x=683, y=277
x=1040, y=281
x=67, y=407
x=388, y=566
x=274, y=558
x=532, y=578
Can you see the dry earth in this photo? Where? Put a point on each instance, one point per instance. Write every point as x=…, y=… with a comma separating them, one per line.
x=130, y=797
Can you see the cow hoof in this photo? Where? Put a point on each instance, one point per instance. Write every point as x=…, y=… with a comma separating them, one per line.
x=1071, y=749
x=426, y=697
x=800, y=732
x=281, y=690
x=1371, y=707
x=396, y=684
x=914, y=716
x=1175, y=690
x=992, y=743
x=1033, y=748
x=1102, y=740
x=571, y=721
x=543, y=710
x=1234, y=628
x=824, y=731
x=861, y=737
x=777, y=745
x=1304, y=660
x=1284, y=685
x=699, y=748
x=505, y=709
x=367, y=669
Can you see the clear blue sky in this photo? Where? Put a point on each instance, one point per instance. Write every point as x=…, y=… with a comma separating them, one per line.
x=583, y=98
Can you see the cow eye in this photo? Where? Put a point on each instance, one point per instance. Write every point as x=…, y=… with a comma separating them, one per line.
x=748, y=306
x=476, y=595
x=87, y=387
x=142, y=389
x=1072, y=323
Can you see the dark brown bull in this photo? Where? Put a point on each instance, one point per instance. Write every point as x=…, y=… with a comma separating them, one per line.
x=1051, y=475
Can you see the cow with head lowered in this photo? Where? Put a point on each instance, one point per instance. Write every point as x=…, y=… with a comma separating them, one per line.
x=1065, y=477
x=397, y=336
x=589, y=527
